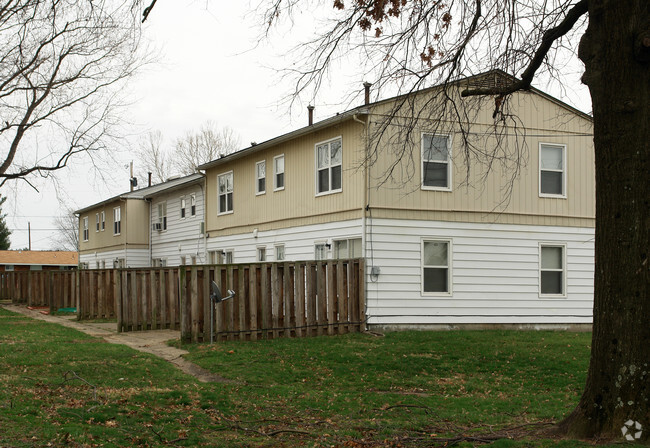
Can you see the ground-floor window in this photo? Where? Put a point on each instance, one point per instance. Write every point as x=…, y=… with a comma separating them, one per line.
x=320, y=251
x=347, y=248
x=279, y=252
x=436, y=266
x=552, y=272
x=261, y=254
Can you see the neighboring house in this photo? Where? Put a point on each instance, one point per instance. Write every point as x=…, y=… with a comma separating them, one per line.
x=119, y=231
x=177, y=223
x=437, y=252
x=37, y=260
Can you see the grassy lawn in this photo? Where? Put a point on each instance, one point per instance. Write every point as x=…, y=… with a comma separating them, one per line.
x=64, y=388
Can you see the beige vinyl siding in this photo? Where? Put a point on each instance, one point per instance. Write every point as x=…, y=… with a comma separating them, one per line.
x=134, y=230
x=297, y=203
x=482, y=198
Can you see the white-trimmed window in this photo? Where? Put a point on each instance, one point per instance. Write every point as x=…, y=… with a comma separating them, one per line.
x=183, y=204
x=279, y=252
x=103, y=217
x=552, y=272
x=96, y=222
x=261, y=254
x=278, y=172
x=162, y=215
x=183, y=260
x=85, y=228
x=320, y=251
x=117, y=220
x=436, y=162
x=160, y=262
x=193, y=259
x=328, y=166
x=260, y=177
x=193, y=205
x=225, y=187
x=436, y=267
x=348, y=248
x=229, y=256
x=552, y=170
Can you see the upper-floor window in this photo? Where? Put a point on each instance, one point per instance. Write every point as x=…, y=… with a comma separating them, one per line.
x=552, y=177
x=193, y=205
x=260, y=177
x=436, y=268
x=328, y=166
x=162, y=215
x=117, y=220
x=183, y=207
x=103, y=218
x=85, y=228
x=436, y=162
x=278, y=172
x=225, y=187
x=96, y=222
x=551, y=271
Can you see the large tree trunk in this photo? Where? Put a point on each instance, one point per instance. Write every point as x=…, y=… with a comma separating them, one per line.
x=616, y=53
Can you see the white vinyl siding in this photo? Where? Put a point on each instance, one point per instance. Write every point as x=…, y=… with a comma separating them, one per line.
x=183, y=235
x=278, y=173
x=133, y=258
x=436, y=162
x=552, y=170
x=260, y=177
x=496, y=274
x=225, y=192
x=328, y=166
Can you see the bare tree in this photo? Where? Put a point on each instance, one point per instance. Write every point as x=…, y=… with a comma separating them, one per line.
x=193, y=149
x=67, y=231
x=62, y=64
x=209, y=143
x=407, y=45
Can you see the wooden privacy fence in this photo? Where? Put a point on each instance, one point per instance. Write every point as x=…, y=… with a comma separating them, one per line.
x=293, y=299
x=56, y=289
x=147, y=299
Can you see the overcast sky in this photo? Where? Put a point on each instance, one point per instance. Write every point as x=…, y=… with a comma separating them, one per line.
x=210, y=68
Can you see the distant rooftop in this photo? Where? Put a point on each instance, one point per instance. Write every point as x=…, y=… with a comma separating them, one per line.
x=39, y=257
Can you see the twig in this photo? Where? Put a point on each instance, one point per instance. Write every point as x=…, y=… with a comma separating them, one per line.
x=70, y=376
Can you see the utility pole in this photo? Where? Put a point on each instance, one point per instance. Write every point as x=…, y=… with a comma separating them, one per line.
x=29, y=234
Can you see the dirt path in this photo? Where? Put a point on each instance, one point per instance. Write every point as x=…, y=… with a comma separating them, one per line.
x=153, y=341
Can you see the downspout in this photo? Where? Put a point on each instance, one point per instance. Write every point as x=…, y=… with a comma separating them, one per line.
x=150, y=229
x=205, y=224
x=126, y=233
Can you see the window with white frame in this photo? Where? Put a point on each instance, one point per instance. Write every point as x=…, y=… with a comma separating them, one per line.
x=193, y=205
x=348, y=248
x=117, y=221
x=279, y=252
x=328, y=166
x=229, y=256
x=96, y=222
x=320, y=251
x=436, y=162
x=552, y=174
x=85, y=228
x=278, y=172
x=162, y=215
x=260, y=177
x=225, y=187
x=552, y=273
x=261, y=254
x=103, y=217
x=183, y=259
x=183, y=207
x=193, y=259
x=436, y=267
x=103, y=264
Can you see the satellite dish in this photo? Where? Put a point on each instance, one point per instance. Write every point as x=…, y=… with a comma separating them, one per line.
x=215, y=293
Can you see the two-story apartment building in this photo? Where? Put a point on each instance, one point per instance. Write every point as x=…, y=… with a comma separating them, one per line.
x=156, y=225
x=447, y=241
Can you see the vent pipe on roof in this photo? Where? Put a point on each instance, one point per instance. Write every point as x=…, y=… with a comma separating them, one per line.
x=149, y=173
x=310, y=109
x=366, y=86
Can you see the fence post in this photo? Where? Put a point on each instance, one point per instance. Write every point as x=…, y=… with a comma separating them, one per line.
x=117, y=292
x=185, y=311
x=362, y=295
